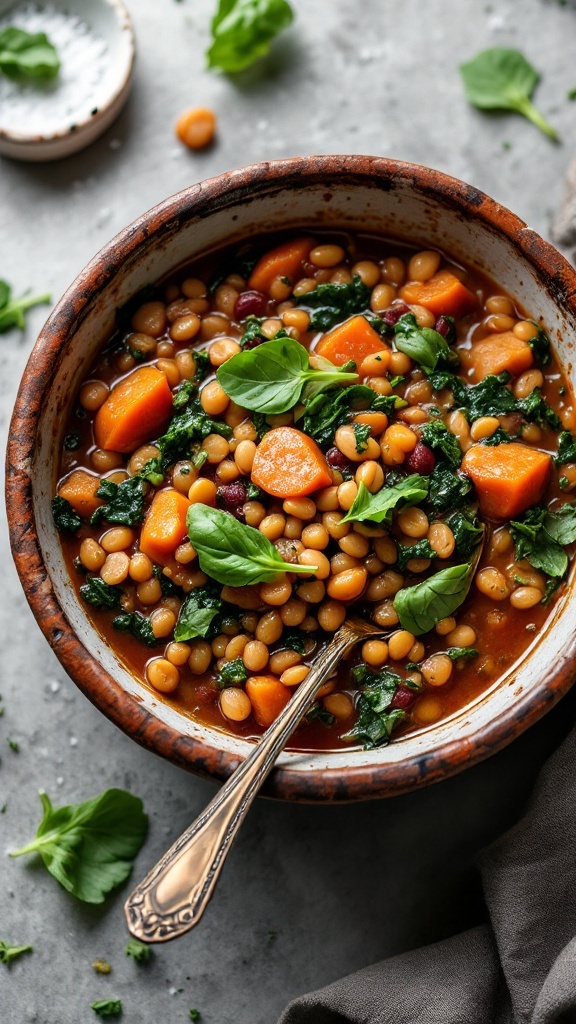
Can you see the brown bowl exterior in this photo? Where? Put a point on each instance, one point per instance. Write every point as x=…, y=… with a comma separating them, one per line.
x=386, y=197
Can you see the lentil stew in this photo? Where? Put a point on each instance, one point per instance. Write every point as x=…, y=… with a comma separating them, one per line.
x=374, y=417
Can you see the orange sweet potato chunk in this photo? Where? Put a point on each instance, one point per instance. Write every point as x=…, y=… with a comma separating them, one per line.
x=500, y=352
x=79, y=489
x=135, y=410
x=509, y=478
x=268, y=697
x=165, y=525
x=354, y=339
x=289, y=464
x=442, y=294
x=283, y=261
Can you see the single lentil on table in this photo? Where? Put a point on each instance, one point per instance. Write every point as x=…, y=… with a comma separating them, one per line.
x=402, y=384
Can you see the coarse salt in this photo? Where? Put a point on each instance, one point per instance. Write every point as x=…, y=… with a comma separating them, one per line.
x=55, y=105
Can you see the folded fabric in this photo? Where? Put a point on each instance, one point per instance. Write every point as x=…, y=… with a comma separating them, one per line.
x=519, y=967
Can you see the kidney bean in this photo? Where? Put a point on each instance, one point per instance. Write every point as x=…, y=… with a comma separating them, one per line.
x=445, y=327
x=392, y=315
x=231, y=497
x=403, y=698
x=206, y=694
x=421, y=460
x=336, y=459
x=250, y=303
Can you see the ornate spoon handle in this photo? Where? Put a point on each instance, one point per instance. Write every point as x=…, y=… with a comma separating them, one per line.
x=174, y=895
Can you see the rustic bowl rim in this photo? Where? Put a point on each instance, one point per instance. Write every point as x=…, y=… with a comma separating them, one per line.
x=358, y=782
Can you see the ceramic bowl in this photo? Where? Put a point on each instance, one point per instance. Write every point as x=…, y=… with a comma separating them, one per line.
x=50, y=120
x=368, y=194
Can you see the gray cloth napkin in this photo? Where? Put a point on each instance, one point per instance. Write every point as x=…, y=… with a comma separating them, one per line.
x=519, y=967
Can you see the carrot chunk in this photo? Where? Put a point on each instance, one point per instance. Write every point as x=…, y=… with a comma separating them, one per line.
x=165, y=525
x=509, y=478
x=289, y=464
x=268, y=696
x=283, y=261
x=499, y=352
x=442, y=294
x=79, y=489
x=354, y=339
x=134, y=411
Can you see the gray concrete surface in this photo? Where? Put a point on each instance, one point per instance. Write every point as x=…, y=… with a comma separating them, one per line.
x=309, y=893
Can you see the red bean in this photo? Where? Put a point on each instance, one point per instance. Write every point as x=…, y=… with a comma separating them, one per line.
x=403, y=698
x=445, y=327
x=336, y=459
x=392, y=315
x=421, y=460
x=250, y=303
x=231, y=497
x=206, y=694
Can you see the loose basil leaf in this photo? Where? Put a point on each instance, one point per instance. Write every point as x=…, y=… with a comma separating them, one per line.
x=232, y=553
x=566, y=448
x=406, y=552
x=124, y=502
x=242, y=31
x=139, y=951
x=89, y=847
x=502, y=79
x=107, y=1008
x=100, y=594
x=420, y=607
x=456, y=653
x=446, y=489
x=435, y=435
x=331, y=303
x=26, y=54
x=232, y=673
x=200, y=608
x=8, y=953
x=424, y=345
x=274, y=377
x=137, y=626
x=66, y=520
x=379, y=507
x=375, y=720
x=467, y=531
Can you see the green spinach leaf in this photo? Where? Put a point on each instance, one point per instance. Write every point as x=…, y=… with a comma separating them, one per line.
x=89, y=847
x=467, y=530
x=137, y=626
x=100, y=594
x=540, y=537
x=491, y=397
x=446, y=489
x=375, y=720
x=242, y=31
x=232, y=673
x=499, y=436
x=124, y=503
x=66, y=520
x=329, y=303
x=274, y=377
x=330, y=409
x=458, y=653
x=424, y=345
x=232, y=553
x=379, y=507
x=27, y=55
x=8, y=953
x=502, y=79
x=197, y=613
x=420, y=607
x=435, y=435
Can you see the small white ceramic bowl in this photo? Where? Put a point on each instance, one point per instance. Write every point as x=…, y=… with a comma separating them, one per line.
x=52, y=119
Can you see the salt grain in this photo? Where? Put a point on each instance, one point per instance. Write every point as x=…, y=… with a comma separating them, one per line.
x=55, y=105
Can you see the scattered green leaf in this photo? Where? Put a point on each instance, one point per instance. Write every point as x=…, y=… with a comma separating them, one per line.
x=242, y=31
x=27, y=55
x=420, y=607
x=457, y=653
x=540, y=537
x=8, y=953
x=89, y=847
x=107, y=1007
x=435, y=435
x=424, y=345
x=14, y=745
x=375, y=721
x=502, y=79
x=362, y=431
x=139, y=951
x=467, y=531
x=197, y=613
x=447, y=490
x=566, y=448
x=232, y=673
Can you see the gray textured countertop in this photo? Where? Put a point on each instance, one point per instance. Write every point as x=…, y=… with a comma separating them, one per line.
x=309, y=893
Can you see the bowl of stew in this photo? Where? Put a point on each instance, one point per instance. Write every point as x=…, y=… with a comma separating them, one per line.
x=296, y=392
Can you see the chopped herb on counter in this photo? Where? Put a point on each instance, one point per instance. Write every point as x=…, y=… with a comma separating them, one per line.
x=502, y=79
x=107, y=1008
x=8, y=953
x=139, y=951
x=242, y=31
x=101, y=967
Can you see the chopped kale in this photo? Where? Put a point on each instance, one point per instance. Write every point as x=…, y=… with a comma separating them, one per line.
x=566, y=448
x=551, y=588
x=362, y=432
x=232, y=673
x=124, y=503
x=535, y=409
x=375, y=719
x=447, y=490
x=331, y=303
x=203, y=366
x=540, y=345
x=194, y=1015
x=499, y=436
x=491, y=397
x=100, y=594
x=330, y=409
x=253, y=493
x=200, y=608
x=261, y=425
x=406, y=552
x=137, y=626
x=187, y=428
x=167, y=587
x=295, y=640
x=396, y=380
x=66, y=520
x=458, y=653
x=184, y=393
x=318, y=713
x=437, y=437
x=467, y=532
x=71, y=442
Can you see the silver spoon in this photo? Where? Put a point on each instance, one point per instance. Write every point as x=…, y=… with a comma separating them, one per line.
x=175, y=893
